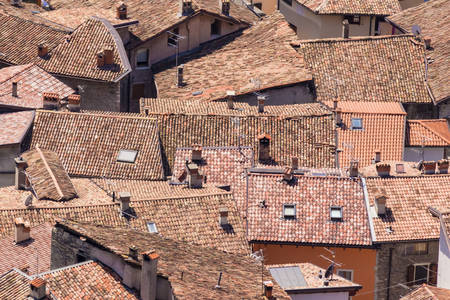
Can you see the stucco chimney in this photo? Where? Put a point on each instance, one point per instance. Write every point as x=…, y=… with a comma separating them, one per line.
x=180, y=70
x=354, y=168
x=224, y=7
x=377, y=158
x=42, y=49
x=20, y=176
x=443, y=166
x=121, y=11
x=223, y=216
x=196, y=152
x=186, y=7
x=428, y=167
x=268, y=288
x=133, y=252
x=380, y=205
x=149, y=273
x=22, y=230
x=38, y=286
x=50, y=100
x=345, y=29
x=294, y=163
x=15, y=83
x=230, y=99
x=74, y=104
x=264, y=147
x=383, y=170
x=124, y=200
x=261, y=102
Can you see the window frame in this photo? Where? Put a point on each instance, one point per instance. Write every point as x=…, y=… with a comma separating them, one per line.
x=345, y=270
x=289, y=217
x=140, y=65
x=357, y=128
x=336, y=207
x=427, y=268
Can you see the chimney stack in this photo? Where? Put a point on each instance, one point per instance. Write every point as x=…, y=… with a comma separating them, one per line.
x=443, y=166
x=288, y=174
x=345, y=29
x=195, y=180
x=294, y=163
x=230, y=100
x=225, y=7
x=42, y=49
x=100, y=59
x=428, y=167
x=268, y=288
x=261, y=101
x=223, y=216
x=380, y=205
x=108, y=53
x=50, y=100
x=133, y=252
x=196, y=153
x=74, y=104
x=149, y=273
x=124, y=200
x=38, y=289
x=186, y=7
x=427, y=41
x=20, y=176
x=383, y=170
x=22, y=230
x=121, y=11
x=264, y=147
x=377, y=158
x=338, y=113
x=354, y=168
x=15, y=83
x=335, y=104
x=180, y=70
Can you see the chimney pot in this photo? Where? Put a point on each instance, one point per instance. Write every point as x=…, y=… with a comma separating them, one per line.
x=443, y=166
x=338, y=113
x=225, y=7
x=22, y=230
x=264, y=147
x=345, y=29
x=20, y=176
x=383, y=170
x=15, y=83
x=42, y=49
x=74, y=104
x=133, y=252
x=268, y=289
x=380, y=205
x=124, y=199
x=196, y=152
x=230, y=100
x=108, y=53
x=122, y=11
x=50, y=100
x=149, y=273
x=377, y=156
x=335, y=104
x=186, y=7
x=428, y=167
x=180, y=71
x=294, y=163
x=37, y=286
x=223, y=216
x=261, y=101
x=354, y=168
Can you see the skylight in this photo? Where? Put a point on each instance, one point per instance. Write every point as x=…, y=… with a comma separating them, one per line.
x=128, y=156
x=357, y=123
x=152, y=227
x=336, y=213
x=289, y=211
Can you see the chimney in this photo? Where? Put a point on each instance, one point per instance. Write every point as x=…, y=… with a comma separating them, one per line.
x=288, y=174
x=14, y=88
x=230, y=101
x=345, y=29
x=20, y=176
x=338, y=113
x=443, y=166
x=377, y=158
x=261, y=101
x=180, y=70
x=268, y=288
x=427, y=41
x=380, y=205
x=264, y=147
x=124, y=200
x=100, y=59
x=223, y=216
x=428, y=167
x=37, y=286
x=22, y=230
x=42, y=49
x=335, y=104
x=294, y=163
x=195, y=180
x=354, y=168
x=133, y=252
x=74, y=104
x=186, y=7
x=50, y=100
x=225, y=7
x=383, y=170
x=121, y=11
x=149, y=273
x=196, y=152
x=109, y=55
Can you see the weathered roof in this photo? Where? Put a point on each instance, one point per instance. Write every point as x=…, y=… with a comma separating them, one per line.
x=427, y=292
x=397, y=168
x=352, y=7
x=428, y=133
x=89, y=144
x=77, y=58
x=32, y=81
x=14, y=285
x=14, y=126
x=257, y=59
x=241, y=275
x=433, y=19
x=407, y=203
x=313, y=196
x=31, y=256
x=389, y=68
x=47, y=176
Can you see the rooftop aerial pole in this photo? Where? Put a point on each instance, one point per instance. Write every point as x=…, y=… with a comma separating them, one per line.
x=174, y=42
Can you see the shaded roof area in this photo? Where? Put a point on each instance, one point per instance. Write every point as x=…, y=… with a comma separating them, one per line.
x=255, y=59
x=200, y=266
x=47, y=176
x=78, y=56
x=352, y=7
x=433, y=19
x=428, y=133
x=370, y=69
x=32, y=82
x=407, y=203
x=14, y=126
x=88, y=144
x=313, y=196
x=31, y=256
x=427, y=292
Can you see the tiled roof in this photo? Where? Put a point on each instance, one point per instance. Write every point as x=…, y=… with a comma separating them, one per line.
x=14, y=126
x=241, y=275
x=428, y=133
x=32, y=81
x=428, y=292
x=433, y=19
x=407, y=203
x=31, y=256
x=313, y=197
x=388, y=68
x=19, y=39
x=77, y=58
x=445, y=226
x=47, y=176
x=259, y=58
x=352, y=7
x=195, y=107
x=405, y=168
x=14, y=285
x=89, y=144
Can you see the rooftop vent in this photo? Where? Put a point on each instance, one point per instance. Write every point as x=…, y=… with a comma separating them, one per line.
x=195, y=180
x=336, y=213
x=268, y=289
x=50, y=100
x=180, y=70
x=42, y=49
x=121, y=11
x=230, y=99
x=380, y=205
x=133, y=252
x=225, y=7
x=223, y=216
x=37, y=287
x=443, y=166
x=345, y=29
x=428, y=167
x=124, y=200
x=15, y=83
x=261, y=101
x=338, y=116
x=427, y=41
x=289, y=211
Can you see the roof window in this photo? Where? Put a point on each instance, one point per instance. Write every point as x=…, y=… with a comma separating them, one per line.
x=127, y=156
x=289, y=211
x=152, y=227
x=357, y=123
x=336, y=213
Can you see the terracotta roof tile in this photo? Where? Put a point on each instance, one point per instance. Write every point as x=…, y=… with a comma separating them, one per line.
x=404, y=168
x=433, y=19
x=14, y=285
x=258, y=58
x=352, y=7
x=428, y=133
x=14, y=126
x=89, y=144
x=32, y=82
x=428, y=292
x=389, y=68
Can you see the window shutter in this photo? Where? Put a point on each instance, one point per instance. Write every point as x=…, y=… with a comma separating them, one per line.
x=433, y=274
x=410, y=275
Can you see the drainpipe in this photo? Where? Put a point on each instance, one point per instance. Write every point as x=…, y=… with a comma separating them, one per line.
x=370, y=26
x=246, y=204
x=388, y=284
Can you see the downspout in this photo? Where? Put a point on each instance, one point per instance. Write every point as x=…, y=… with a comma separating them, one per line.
x=388, y=283
x=246, y=203
x=370, y=25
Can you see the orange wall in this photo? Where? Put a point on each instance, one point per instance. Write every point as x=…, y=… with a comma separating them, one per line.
x=361, y=261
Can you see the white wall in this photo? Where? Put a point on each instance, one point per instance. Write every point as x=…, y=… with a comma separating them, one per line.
x=444, y=263
x=320, y=296
x=415, y=154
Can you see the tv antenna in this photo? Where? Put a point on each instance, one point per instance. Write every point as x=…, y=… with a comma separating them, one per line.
x=173, y=41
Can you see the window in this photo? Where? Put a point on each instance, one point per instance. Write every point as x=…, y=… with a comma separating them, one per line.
x=422, y=273
x=128, y=156
x=289, y=211
x=357, y=123
x=172, y=40
x=347, y=274
x=152, y=227
x=215, y=28
x=288, y=2
x=336, y=213
x=353, y=19
x=142, y=58
x=416, y=249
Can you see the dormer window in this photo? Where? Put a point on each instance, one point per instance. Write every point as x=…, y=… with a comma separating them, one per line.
x=289, y=211
x=127, y=156
x=336, y=213
x=357, y=124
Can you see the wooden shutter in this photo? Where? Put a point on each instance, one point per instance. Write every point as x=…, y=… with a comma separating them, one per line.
x=433, y=274
x=410, y=275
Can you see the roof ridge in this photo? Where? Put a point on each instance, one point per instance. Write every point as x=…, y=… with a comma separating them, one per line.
x=58, y=207
x=21, y=71
x=354, y=39
x=50, y=172
x=63, y=268
x=32, y=22
x=183, y=197
x=117, y=116
x=434, y=132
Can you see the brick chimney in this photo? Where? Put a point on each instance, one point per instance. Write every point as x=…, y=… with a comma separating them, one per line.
x=268, y=288
x=345, y=29
x=15, y=83
x=74, y=104
x=443, y=166
x=121, y=11
x=186, y=7
x=180, y=70
x=38, y=286
x=124, y=200
x=223, y=216
x=42, y=49
x=380, y=205
x=22, y=230
x=294, y=163
x=50, y=100
x=230, y=99
x=264, y=147
x=21, y=181
x=225, y=7
x=149, y=273
x=196, y=153
x=377, y=158
x=383, y=170
x=354, y=168
x=195, y=179
x=428, y=167
x=261, y=101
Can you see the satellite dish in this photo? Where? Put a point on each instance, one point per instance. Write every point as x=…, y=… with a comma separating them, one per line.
x=329, y=271
x=416, y=30
x=28, y=200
